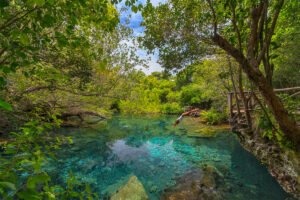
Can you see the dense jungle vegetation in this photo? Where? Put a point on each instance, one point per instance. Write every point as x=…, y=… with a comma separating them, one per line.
x=63, y=61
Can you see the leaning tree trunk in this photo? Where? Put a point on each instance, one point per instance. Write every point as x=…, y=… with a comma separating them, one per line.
x=250, y=67
x=286, y=124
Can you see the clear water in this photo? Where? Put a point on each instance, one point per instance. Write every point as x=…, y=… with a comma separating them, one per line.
x=159, y=155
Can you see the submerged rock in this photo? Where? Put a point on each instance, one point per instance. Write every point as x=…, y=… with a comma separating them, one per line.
x=197, y=185
x=132, y=190
x=153, y=189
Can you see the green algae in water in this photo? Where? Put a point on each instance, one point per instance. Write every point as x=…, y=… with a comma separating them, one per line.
x=159, y=156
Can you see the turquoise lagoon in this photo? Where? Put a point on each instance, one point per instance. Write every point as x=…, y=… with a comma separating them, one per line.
x=159, y=155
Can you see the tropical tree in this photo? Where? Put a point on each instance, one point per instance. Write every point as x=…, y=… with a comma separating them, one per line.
x=32, y=29
x=184, y=32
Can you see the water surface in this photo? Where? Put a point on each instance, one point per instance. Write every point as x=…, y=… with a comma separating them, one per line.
x=159, y=155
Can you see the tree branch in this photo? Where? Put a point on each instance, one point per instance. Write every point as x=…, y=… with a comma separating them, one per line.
x=271, y=31
x=236, y=28
x=225, y=45
x=38, y=88
x=255, y=15
x=2, y=51
x=10, y=22
x=215, y=24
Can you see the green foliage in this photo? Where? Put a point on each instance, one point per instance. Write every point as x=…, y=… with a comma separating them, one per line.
x=149, y=94
x=285, y=47
x=171, y=108
x=184, y=30
x=198, y=85
x=185, y=76
x=61, y=56
x=269, y=129
x=292, y=104
x=5, y=105
x=85, y=70
x=213, y=117
x=32, y=30
x=191, y=95
x=26, y=154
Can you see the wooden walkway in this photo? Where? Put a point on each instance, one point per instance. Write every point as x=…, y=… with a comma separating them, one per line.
x=254, y=102
x=237, y=111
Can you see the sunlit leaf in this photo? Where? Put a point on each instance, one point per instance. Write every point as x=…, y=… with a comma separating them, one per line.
x=5, y=105
x=8, y=185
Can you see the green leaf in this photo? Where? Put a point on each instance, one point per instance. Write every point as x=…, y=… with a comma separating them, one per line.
x=48, y=20
x=57, y=189
x=4, y=3
x=24, y=39
x=2, y=82
x=61, y=39
x=35, y=2
x=37, y=179
x=8, y=185
x=50, y=195
x=51, y=2
x=5, y=105
x=134, y=9
x=29, y=195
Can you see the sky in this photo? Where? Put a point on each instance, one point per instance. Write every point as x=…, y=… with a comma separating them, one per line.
x=135, y=20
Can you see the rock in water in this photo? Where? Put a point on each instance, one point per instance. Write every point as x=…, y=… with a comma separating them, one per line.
x=132, y=190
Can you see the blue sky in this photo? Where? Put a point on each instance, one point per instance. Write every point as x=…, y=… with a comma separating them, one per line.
x=135, y=20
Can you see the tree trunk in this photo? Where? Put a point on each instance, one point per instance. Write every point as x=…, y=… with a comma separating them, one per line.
x=268, y=69
x=286, y=124
x=233, y=86
x=246, y=108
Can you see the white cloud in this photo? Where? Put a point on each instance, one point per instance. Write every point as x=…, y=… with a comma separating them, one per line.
x=134, y=22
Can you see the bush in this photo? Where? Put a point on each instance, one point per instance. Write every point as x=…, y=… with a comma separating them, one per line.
x=171, y=108
x=213, y=117
x=138, y=107
x=269, y=129
x=190, y=95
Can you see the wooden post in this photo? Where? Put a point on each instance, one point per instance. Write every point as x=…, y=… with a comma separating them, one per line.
x=230, y=104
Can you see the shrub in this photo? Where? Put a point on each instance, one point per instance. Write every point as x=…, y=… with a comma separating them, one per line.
x=269, y=129
x=213, y=117
x=171, y=108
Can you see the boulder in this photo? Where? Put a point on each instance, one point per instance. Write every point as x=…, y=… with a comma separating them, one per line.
x=132, y=190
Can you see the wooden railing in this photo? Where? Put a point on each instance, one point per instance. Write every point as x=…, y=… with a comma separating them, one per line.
x=254, y=101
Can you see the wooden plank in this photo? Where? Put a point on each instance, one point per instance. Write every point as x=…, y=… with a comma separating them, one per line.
x=286, y=89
